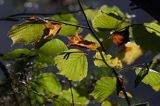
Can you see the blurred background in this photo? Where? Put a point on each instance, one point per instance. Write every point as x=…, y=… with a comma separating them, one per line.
x=8, y=7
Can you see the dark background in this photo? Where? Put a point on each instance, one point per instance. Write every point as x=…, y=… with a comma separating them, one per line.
x=142, y=93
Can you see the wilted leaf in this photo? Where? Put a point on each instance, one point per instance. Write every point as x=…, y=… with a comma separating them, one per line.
x=112, y=62
x=152, y=79
x=77, y=40
x=72, y=64
x=53, y=29
x=131, y=52
x=27, y=32
x=17, y=53
x=104, y=88
x=147, y=37
x=120, y=37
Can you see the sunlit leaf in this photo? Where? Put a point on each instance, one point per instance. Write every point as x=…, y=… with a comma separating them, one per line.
x=27, y=32
x=89, y=13
x=147, y=37
x=152, y=79
x=17, y=53
x=141, y=104
x=73, y=64
x=77, y=40
x=106, y=103
x=49, y=83
x=131, y=52
x=112, y=62
x=52, y=30
x=104, y=88
x=49, y=50
x=66, y=30
x=106, y=23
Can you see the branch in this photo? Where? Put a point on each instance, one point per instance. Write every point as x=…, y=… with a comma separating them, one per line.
x=70, y=84
x=103, y=49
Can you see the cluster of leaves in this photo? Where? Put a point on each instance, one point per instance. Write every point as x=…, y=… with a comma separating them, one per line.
x=29, y=66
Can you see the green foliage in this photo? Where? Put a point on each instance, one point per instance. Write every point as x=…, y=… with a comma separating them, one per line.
x=27, y=32
x=112, y=62
x=17, y=53
x=65, y=99
x=28, y=68
x=147, y=37
x=66, y=29
x=152, y=79
x=104, y=88
x=72, y=64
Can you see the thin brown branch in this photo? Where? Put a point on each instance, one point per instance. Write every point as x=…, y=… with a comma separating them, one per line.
x=103, y=49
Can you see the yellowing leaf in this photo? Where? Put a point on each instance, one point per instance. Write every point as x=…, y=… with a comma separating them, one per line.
x=77, y=40
x=53, y=29
x=132, y=51
x=112, y=62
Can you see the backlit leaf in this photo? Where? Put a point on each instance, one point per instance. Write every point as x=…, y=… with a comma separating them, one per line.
x=27, y=32
x=121, y=95
x=49, y=83
x=72, y=64
x=17, y=53
x=112, y=62
x=104, y=88
x=49, y=50
x=152, y=79
x=106, y=103
x=66, y=30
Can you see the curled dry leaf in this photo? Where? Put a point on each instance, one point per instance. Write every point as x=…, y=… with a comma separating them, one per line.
x=52, y=29
x=131, y=51
x=76, y=40
x=120, y=37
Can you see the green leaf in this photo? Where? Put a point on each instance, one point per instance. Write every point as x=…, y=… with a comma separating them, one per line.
x=112, y=62
x=89, y=13
x=141, y=104
x=112, y=11
x=73, y=64
x=146, y=37
x=17, y=53
x=49, y=50
x=53, y=48
x=49, y=83
x=66, y=29
x=103, y=20
x=65, y=99
x=152, y=79
x=106, y=103
x=104, y=88
x=27, y=32
x=140, y=76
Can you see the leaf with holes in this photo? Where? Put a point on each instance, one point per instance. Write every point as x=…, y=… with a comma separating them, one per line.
x=72, y=64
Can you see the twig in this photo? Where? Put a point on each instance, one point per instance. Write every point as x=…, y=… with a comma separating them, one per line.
x=6, y=73
x=70, y=84
x=103, y=49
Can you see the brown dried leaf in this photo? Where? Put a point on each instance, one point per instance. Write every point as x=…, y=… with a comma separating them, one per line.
x=77, y=40
x=52, y=29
